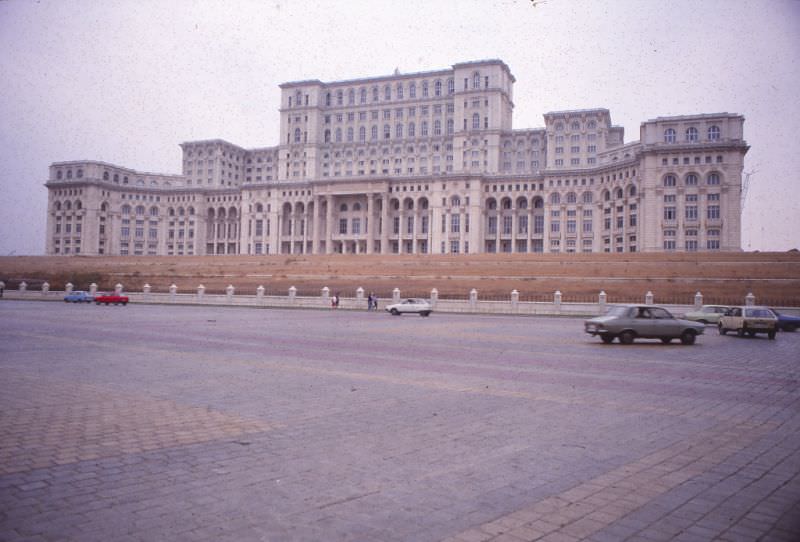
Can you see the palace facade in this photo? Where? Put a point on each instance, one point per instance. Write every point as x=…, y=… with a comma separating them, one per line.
x=418, y=163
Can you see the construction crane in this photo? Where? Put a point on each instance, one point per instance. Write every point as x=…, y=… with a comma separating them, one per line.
x=746, y=186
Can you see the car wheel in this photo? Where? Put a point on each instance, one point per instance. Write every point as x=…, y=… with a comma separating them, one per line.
x=124, y=303
x=395, y=312
x=666, y=340
x=626, y=337
x=722, y=330
x=96, y=302
x=740, y=332
x=425, y=313
x=607, y=338
x=688, y=337
x=790, y=327
x=751, y=333
x=106, y=303
x=771, y=335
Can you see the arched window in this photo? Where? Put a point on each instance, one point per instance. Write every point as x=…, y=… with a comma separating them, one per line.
x=632, y=190
x=104, y=207
x=669, y=135
x=375, y=95
x=591, y=125
x=80, y=173
x=350, y=133
x=58, y=206
x=424, y=89
x=105, y=175
x=116, y=178
x=339, y=97
x=506, y=203
x=411, y=129
x=69, y=174
x=618, y=193
x=713, y=133
x=139, y=210
x=398, y=91
x=575, y=125
x=437, y=127
x=451, y=86
x=572, y=198
x=338, y=135
x=412, y=90
x=67, y=205
x=559, y=127
x=153, y=211
x=259, y=208
x=387, y=132
x=126, y=210
x=691, y=134
x=670, y=180
x=437, y=88
x=374, y=133
x=343, y=208
x=538, y=203
x=387, y=93
x=191, y=211
x=424, y=128
x=58, y=175
x=491, y=204
x=327, y=136
x=298, y=99
x=362, y=134
x=351, y=97
x=363, y=95
x=327, y=99
x=712, y=179
x=455, y=201
x=78, y=205
x=356, y=206
x=476, y=80
x=398, y=131
x=606, y=195
x=476, y=121
x=555, y=198
x=691, y=180
x=450, y=127
x=181, y=211
x=522, y=203
x=587, y=197
x=297, y=135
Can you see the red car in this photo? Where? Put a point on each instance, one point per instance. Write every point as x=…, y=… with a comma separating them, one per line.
x=110, y=298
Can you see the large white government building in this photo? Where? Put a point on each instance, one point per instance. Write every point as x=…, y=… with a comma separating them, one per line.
x=418, y=163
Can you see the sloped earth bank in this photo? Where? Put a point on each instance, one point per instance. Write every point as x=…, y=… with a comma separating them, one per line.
x=773, y=278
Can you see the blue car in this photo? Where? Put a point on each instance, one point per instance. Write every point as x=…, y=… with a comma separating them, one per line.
x=78, y=296
x=787, y=322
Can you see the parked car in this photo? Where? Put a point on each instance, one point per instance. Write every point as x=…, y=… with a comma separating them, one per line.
x=787, y=322
x=419, y=306
x=629, y=322
x=110, y=298
x=708, y=314
x=78, y=296
x=749, y=320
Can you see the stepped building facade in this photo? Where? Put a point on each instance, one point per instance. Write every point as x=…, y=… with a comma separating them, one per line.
x=417, y=163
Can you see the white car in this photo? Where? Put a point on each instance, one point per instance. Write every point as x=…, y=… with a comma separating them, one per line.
x=419, y=306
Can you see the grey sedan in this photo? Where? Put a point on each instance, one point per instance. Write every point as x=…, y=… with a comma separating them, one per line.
x=629, y=322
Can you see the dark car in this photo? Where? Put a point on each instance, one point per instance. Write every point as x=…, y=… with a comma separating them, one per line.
x=629, y=322
x=787, y=322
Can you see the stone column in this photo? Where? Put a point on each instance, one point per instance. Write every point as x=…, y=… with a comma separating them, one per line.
x=698, y=300
x=369, y=224
x=385, y=225
x=67, y=288
x=648, y=298
x=329, y=226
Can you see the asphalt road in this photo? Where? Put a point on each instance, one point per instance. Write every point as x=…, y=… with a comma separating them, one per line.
x=211, y=423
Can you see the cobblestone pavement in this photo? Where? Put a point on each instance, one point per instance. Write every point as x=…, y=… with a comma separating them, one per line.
x=146, y=423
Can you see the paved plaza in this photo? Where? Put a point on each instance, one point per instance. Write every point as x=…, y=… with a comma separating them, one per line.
x=148, y=423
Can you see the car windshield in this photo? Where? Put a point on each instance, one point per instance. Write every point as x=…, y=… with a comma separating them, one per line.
x=758, y=313
x=617, y=311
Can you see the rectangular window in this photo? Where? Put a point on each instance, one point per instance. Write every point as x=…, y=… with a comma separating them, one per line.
x=492, y=224
x=454, y=247
x=342, y=225
x=555, y=227
x=356, y=226
x=713, y=212
x=455, y=223
x=396, y=225
x=522, y=225
x=538, y=224
x=507, y=225
x=571, y=226
x=669, y=213
x=691, y=212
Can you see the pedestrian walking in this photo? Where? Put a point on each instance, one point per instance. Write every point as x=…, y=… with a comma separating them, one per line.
x=369, y=302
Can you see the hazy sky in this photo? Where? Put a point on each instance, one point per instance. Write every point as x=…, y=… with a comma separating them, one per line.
x=126, y=82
